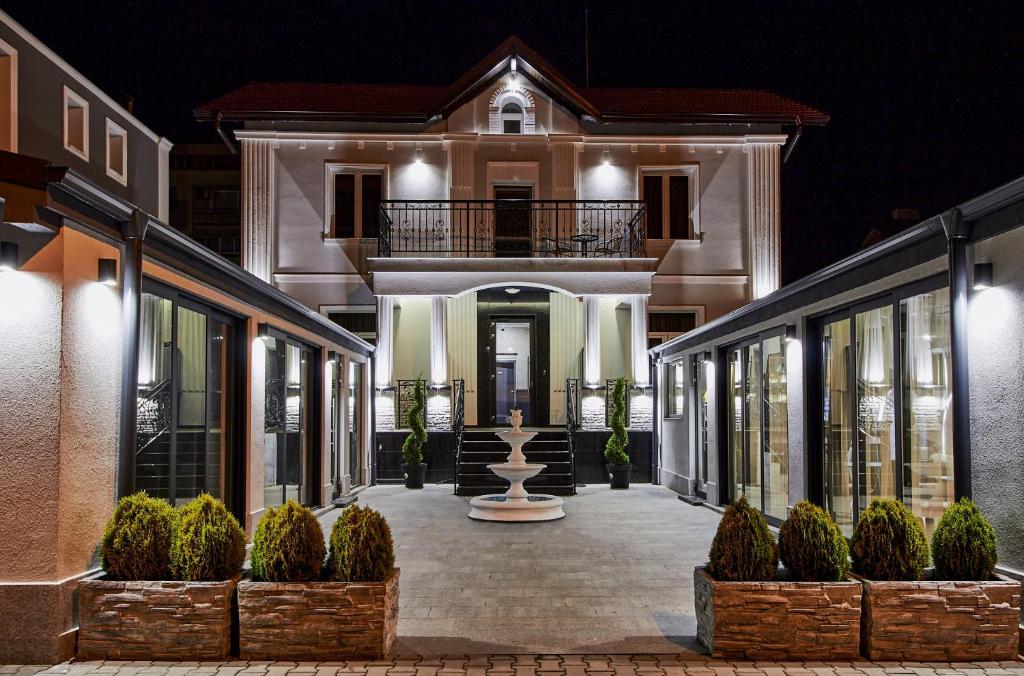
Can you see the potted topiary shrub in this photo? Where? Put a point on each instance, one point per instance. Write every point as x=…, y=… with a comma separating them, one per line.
x=169, y=583
x=619, y=467
x=747, y=608
x=297, y=608
x=960, y=611
x=414, y=469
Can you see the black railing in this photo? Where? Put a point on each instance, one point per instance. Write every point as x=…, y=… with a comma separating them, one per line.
x=512, y=228
x=154, y=413
x=458, y=424
x=572, y=402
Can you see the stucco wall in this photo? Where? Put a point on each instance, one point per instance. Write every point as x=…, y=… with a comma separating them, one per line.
x=996, y=346
x=615, y=339
x=412, y=339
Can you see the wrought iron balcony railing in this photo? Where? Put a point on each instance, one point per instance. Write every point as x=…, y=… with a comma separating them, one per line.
x=512, y=228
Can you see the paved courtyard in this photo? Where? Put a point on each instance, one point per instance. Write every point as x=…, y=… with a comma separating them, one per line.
x=614, y=576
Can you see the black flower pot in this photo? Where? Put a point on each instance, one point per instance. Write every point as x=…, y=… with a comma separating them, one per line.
x=618, y=475
x=414, y=475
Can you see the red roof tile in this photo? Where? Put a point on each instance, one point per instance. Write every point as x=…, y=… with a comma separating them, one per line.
x=696, y=104
x=310, y=99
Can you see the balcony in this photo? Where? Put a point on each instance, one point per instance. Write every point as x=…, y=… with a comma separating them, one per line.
x=511, y=229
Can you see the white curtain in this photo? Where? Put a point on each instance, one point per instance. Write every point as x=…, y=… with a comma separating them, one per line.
x=438, y=340
x=592, y=343
x=919, y=340
x=383, y=357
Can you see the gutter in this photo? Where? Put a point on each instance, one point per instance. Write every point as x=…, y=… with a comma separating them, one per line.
x=796, y=139
x=223, y=135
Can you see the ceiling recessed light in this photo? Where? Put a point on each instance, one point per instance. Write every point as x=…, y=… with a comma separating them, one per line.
x=511, y=290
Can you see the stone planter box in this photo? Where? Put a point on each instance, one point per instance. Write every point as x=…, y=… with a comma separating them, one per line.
x=317, y=621
x=778, y=620
x=155, y=620
x=933, y=621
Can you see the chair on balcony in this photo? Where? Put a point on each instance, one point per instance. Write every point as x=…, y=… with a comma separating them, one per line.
x=609, y=247
x=556, y=248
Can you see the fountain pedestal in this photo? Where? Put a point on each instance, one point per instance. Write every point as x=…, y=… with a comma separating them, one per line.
x=516, y=504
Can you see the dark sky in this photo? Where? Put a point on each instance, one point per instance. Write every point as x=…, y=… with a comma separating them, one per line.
x=926, y=98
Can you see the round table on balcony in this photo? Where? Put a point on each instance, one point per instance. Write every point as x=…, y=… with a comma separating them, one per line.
x=584, y=240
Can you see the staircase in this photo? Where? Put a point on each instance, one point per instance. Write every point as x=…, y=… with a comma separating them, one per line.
x=482, y=448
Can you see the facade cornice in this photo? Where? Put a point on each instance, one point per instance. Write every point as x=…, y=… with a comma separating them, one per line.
x=701, y=279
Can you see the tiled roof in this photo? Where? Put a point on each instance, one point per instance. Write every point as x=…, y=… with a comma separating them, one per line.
x=295, y=100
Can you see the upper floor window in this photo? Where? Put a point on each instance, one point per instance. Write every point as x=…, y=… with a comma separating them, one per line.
x=117, y=153
x=511, y=118
x=76, y=124
x=670, y=196
x=354, y=194
x=8, y=98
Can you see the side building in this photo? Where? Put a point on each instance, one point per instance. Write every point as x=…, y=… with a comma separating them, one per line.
x=134, y=358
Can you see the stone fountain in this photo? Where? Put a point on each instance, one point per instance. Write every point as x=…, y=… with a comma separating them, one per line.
x=516, y=504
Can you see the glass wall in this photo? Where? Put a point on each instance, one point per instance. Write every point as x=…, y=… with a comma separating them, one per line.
x=289, y=422
x=701, y=417
x=886, y=430
x=185, y=398
x=355, y=422
x=334, y=441
x=759, y=424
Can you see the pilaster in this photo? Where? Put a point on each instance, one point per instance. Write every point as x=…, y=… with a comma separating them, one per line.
x=765, y=230
x=258, y=207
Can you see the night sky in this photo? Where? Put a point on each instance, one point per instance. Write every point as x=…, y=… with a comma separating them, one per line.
x=926, y=98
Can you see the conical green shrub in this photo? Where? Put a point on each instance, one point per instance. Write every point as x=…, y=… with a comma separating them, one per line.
x=208, y=544
x=743, y=549
x=136, y=543
x=361, y=548
x=412, y=447
x=615, y=449
x=889, y=543
x=288, y=545
x=964, y=544
x=811, y=546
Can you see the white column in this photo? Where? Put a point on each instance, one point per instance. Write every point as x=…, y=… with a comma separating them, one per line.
x=765, y=236
x=384, y=354
x=592, y=340
x=638, y=339
x=438, y=340
x=258, y=207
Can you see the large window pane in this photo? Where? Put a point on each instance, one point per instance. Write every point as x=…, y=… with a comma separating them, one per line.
x=675, y=389
x=837, y=427
x=927, y=398
x=355, y=418
x=190, y=479
x=701, y=405
x=735, y=394
x=752, y=399
x=776, y=423
x=876, y=423
x=153, y=450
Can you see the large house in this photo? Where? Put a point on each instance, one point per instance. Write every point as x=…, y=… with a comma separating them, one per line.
x=513, y=234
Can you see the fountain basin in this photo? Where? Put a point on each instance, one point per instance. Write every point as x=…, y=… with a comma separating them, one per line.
x=516, y=472
x=500, y=507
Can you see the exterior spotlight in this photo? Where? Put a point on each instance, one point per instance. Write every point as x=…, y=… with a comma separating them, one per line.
x=606, y=157
x=511, y=290
x=418, y=157
x=982, y=276
x=8, y=256
x=514, y=65
x=263, y=331
x=107, y=272
x=790, y=333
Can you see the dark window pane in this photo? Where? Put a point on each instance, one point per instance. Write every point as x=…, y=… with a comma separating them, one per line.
x=511, y=126
x=344, y=220
x=652, y=198
x=372, y=194
x=671, y=322
x=679, y=207
x=356, y=322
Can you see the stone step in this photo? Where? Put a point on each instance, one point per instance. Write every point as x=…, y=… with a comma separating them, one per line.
x=499, y=456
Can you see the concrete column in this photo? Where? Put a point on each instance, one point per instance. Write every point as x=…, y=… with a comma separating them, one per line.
x=763, y=203
x=258, y=207
x=438, y=340
x=384, y=356
x=638, y=339
x=592, y=340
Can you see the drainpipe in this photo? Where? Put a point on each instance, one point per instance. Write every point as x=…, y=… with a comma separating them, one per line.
x=223, y=134
x=958, y=232
x=796, y=139
x=134, y=232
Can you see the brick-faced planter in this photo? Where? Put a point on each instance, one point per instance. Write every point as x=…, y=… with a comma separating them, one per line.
x=778, y=620
x=154, y=620
x=317, y=620
x=933, y=621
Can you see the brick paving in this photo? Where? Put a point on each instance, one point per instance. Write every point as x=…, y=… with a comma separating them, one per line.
x=521, y=665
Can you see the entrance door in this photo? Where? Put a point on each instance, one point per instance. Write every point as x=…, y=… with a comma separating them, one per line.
x=512, y=376
x=512, y=221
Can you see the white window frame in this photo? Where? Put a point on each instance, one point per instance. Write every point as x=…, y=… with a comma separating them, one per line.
x=692, y=172
x=80, y=101
x=519, y=117
x=12, y=53
x=114, y=129
x=332, y=169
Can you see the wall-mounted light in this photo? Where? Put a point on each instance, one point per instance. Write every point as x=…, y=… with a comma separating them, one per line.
x=982, y=276
x=8, y=256
x=263, y=330
x=701, y=357
x=107, y=272
x=790, y=333
x=511, y=290
x=418, y=156
x=514, y=64
x=606, y=156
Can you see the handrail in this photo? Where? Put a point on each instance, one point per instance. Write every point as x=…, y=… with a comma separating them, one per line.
x=150, y=411
x=572, y=389
x=458, y=425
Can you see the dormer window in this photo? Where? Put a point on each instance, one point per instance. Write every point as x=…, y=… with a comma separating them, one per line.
x=511, y=118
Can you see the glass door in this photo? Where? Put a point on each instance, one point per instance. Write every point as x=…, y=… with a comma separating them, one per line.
x=512, y=377
x=701, y=417
x=288, y=423
x=355, y=422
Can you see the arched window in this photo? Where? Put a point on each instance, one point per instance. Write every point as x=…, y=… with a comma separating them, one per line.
x=512, y=118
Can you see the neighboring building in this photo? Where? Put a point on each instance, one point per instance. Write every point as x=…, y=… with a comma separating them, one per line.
x=513, y=231
x=892, y=373
x=134, y=358
x=205, y=196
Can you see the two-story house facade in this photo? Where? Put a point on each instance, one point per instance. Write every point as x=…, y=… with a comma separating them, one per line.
x=512, y=233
